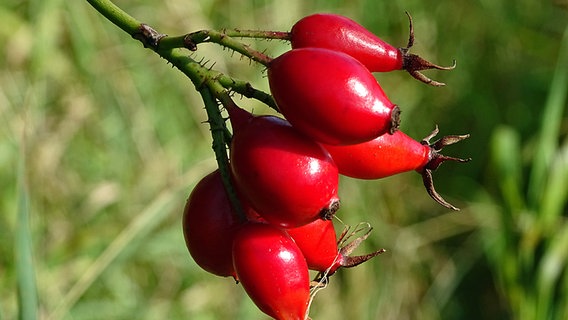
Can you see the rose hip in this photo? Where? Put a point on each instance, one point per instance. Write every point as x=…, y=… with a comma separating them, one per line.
x=340, y=33
x=209, y=224
x=289, y=179
x=330, y=96
x=318, y=243
x=392, y=154
x=272, y=270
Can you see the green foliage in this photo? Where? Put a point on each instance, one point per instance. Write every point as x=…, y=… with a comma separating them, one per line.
x=109, y=140
x=532, y=254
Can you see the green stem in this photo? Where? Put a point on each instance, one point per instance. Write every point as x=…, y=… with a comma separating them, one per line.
x=116, y=15
x=218, y=132
x=210, y=84
x=258, y=34
x=191, y=40
x=247, y=90
x=163, y=45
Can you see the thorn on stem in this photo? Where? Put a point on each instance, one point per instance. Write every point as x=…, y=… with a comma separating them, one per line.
x=149, y=37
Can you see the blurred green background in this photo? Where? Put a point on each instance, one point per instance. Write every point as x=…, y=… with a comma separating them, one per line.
x=101, y=141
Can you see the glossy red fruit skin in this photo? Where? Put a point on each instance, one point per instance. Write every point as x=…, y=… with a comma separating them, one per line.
x=289, y=179
x=340, y=33
x=272, y=270
x=381, y=157
x=209, y=225
x=318, y=243
x=392, y=154
x=330, y=96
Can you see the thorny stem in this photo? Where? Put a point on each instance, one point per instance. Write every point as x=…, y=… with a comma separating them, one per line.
x=191, y=40
x=413, y=64
x=153, y=39
x=218, y=132
x=210, y=84
x=182, y=41
x=270, y=35
x=246, y=89
x=436, y=159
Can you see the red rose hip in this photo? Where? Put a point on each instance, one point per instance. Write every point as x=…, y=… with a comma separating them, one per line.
x=289, y=179
x=318, y=243
x=209, y=224
x=388, y=155
x=330, y=96
x=272, y=270
x=340, y=33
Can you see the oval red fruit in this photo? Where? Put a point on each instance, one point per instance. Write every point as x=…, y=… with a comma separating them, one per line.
x=388, y=155
x=272, y=270
x=289, y=179
x=318, y=243
x=209, y=224
x=381, y=157
x=330, y=96
x=342, y=34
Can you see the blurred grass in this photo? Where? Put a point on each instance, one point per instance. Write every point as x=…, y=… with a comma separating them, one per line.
x=113, y=141
x=23, y=251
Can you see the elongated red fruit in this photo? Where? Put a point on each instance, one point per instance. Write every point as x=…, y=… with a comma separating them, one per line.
x=388, y=155
x=289, y=179
x=340, y=33
x=209, y=224
x=272, y=270
x=318, y=243
x=330, y=96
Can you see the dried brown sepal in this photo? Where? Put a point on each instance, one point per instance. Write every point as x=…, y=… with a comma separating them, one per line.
x=395, y=120
x=352, y=261
x=351, y=246
x=344, y=260
x=413, y=64
x=345, y=251
x=429, y=184
x=436, y=159
x=328, y=212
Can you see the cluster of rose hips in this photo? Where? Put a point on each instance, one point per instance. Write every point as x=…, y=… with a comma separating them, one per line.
x=285, y=171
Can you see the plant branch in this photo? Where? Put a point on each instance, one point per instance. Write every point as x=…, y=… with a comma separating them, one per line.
x=258, y=34
x=116, y=15
x=218, y=132
x=191, y=40
x=207, y=82
x=246, y=89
